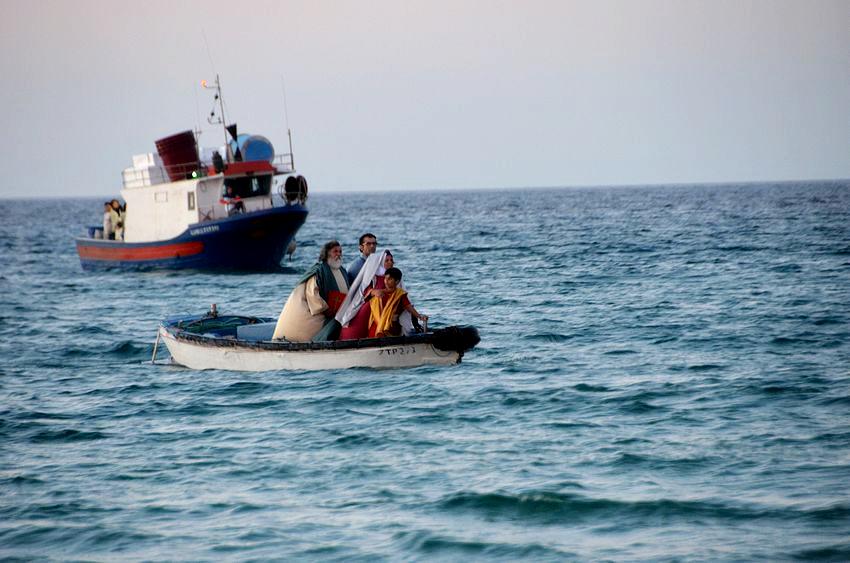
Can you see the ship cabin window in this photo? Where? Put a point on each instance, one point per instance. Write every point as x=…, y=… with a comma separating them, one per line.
x=250, y=186
x=190, y=200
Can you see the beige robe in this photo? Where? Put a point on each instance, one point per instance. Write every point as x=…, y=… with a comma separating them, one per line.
x=117, y=217
x=302, y=318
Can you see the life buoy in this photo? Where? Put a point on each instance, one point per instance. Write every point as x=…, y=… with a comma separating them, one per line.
x=290, y=188
x=295, y=189
x=302, y=187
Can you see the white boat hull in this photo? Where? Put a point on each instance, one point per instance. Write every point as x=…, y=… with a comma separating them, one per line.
x=200, y=356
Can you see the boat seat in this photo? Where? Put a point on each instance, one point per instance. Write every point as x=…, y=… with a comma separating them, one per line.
x=256, y=332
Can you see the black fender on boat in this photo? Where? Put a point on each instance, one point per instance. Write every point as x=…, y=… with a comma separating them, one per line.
x=457, y=338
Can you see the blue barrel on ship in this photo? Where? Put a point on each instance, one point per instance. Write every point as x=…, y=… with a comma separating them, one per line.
x=253, y=147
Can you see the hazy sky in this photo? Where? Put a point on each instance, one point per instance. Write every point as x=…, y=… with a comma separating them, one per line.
x=397, y=94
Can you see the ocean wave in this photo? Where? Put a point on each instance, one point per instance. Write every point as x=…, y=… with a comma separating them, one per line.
x=128, y=348
x=246, y=389
x=549, y=337
x=837, y=553
x=631, y=405
x=478, y=249
x=620, y=352
x=41, y=416
x=357, y=440
x=787, y=268
x=706, y=367
x=587, y=388
x=570, y=425
x=739, y=248
x=263, y=471
x=833, y=513
x=677, y=465
x=438, y=545
x=806, y=338
x=785, y=389
x=549, y=508
x=48, y=511
x=830, y=320
x=88, y=329
x=21, y=481
x=833, y=401
x=125, y=349
x=66, y=435
x=521, y=400
x=665, y=339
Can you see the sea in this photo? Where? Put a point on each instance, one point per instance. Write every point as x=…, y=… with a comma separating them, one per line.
x=663, y=375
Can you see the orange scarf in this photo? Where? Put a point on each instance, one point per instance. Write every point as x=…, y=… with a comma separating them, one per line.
x=383, y=313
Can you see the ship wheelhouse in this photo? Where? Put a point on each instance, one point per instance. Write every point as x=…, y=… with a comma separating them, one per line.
x=198, y=192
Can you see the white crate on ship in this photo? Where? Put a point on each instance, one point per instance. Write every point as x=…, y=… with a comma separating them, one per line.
x=135, y=177
x=147, y=160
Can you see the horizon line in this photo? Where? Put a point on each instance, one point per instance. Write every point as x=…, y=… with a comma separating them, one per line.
x=497, y=188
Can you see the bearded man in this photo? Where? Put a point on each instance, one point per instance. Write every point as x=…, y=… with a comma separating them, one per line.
x=309, y=312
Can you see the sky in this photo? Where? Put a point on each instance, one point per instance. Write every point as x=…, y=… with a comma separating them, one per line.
x=432, y=94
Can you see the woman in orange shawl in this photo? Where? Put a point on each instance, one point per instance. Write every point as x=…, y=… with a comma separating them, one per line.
x=387, y=304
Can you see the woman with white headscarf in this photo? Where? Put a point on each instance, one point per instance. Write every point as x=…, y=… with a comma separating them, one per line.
x=352, y=315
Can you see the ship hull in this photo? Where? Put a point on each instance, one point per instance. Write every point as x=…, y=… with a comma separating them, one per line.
x=253, y=241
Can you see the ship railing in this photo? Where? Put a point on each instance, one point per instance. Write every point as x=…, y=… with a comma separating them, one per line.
x=141, y=177
x=148, y=176
x=218, y=210
x=284, y=163
x=151, y=175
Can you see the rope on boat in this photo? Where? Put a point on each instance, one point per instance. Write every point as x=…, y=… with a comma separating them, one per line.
x=155, y=346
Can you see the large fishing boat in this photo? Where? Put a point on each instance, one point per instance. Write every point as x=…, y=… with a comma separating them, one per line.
x=212, y=209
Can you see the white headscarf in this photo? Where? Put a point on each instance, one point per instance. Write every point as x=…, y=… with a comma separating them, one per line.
x=373, y=266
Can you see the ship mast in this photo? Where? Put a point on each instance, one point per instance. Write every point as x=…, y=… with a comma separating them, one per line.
x=288, y=130
x=221, y=119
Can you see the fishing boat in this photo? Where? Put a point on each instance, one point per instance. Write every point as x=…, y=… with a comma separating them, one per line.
x=208, y=209
x=244, y=343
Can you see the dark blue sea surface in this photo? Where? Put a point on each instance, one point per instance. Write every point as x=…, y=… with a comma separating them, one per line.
x=664, y=374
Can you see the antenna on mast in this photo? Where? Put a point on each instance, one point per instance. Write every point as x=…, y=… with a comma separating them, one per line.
x=197, y=117
x=288, y=130
x=212, y=119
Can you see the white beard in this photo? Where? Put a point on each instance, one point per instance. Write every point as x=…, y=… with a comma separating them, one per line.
x=335, y=264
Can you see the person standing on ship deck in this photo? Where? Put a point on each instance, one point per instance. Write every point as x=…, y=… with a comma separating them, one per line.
x=117, y=216
x=107, y=221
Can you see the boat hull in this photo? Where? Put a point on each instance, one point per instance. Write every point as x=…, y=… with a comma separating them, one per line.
x=252, y=241
x=218, y=342
x=242, y=358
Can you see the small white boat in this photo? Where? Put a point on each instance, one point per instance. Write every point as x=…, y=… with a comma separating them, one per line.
x=243, y=343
